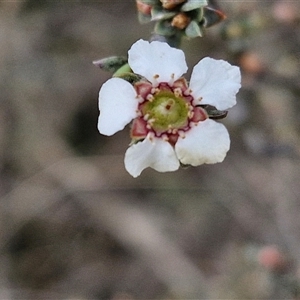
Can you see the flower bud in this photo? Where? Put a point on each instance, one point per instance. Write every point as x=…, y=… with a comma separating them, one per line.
x=180, y=21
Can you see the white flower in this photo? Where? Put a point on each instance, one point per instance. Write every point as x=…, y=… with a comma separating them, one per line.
x=169, y=123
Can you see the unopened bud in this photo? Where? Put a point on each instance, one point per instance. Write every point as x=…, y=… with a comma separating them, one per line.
x=181, y=21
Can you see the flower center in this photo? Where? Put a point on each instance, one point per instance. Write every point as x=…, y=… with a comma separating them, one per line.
x=165, y=111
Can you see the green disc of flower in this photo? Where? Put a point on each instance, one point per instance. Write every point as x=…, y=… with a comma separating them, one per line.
x=166, y=111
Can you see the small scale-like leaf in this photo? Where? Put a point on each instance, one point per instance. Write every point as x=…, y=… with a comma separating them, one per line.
x=149, y=2
x=200, y=14
x=132, y=78
x=111, y=64
x=124, y=69
x=214, y=113
x=172, y=40
x=184, y=166
x=159, y=14
x=193, y=4
x=164, y=28
x=194, y=30
x=143, y=19
x=212, y=16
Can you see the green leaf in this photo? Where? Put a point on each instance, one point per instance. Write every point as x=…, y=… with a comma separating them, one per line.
x=164, y=28
x=212, y=16
x=129, y=76
x=184, y=166
x=214, y=113
x=194, y=30
x=123, y=69
x=173, y=40
x=159, y=14
x=111, y=64
x=200, y=14
x=143, y=19
x=149, y=2
x=193, y=4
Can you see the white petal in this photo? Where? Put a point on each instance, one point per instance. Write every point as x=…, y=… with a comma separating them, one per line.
x=157, y=58
x=216, y=81
x=117, y=104
x=157, y=154
x=206, y=143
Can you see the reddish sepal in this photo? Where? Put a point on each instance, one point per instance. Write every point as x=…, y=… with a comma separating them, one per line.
x=199, y=114
x=143, y=88
x=139, y=129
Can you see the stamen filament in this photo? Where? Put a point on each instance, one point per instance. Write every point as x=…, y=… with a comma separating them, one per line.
x=181, y=134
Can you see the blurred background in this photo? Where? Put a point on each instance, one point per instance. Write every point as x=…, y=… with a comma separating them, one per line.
x=75, y=225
